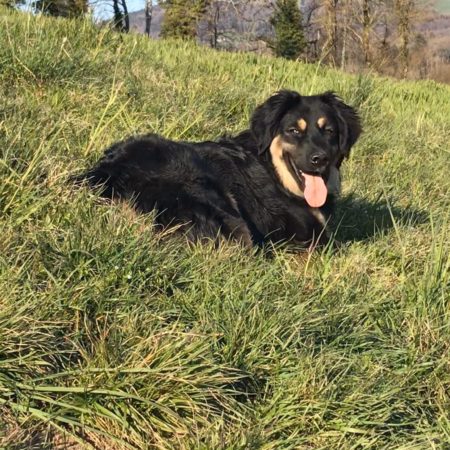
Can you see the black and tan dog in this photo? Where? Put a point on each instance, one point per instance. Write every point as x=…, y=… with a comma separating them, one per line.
x=274, y=182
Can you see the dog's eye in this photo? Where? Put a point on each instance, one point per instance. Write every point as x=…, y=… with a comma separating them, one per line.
x=294, y=131
x=329, y=130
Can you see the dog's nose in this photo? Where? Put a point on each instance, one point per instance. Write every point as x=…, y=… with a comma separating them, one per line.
x=319, y=159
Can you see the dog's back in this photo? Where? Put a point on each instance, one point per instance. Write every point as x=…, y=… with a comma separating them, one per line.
x=172, y=179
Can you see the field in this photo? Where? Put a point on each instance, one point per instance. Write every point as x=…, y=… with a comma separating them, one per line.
x=115, y=337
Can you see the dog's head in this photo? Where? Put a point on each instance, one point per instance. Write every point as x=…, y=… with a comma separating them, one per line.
x=307, y=138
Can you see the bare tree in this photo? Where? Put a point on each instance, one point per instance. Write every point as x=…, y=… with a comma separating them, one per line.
x=126, y=17
x=346, y=24
x=236, y=24
x=367, y=18
x=312, y=32
x=404, y=11
x=213, y=16
x=366, y=25
x=331, y=29
x=148, y=16
x=121, y=20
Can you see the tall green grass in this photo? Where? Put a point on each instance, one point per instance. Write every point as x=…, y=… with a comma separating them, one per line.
x=113, y=336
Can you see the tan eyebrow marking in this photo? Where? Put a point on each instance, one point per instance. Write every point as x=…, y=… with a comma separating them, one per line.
x=321, y=122
x=302, y=124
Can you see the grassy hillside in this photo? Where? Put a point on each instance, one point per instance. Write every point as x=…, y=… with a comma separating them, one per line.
x=113, y=337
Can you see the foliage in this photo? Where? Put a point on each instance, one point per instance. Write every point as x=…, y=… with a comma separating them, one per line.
x=62, y=8
x=113, y=336
x=181, y=18
x=10, y=3
x=289, y=40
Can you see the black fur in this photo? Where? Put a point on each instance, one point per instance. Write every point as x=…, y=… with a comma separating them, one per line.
x=230, y=187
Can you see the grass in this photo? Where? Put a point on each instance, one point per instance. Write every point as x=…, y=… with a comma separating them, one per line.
x=114, y=337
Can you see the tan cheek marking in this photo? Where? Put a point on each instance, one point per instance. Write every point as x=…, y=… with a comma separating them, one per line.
x=321, y=122
x=302, y=124
x=334, y=181
x=286, y=178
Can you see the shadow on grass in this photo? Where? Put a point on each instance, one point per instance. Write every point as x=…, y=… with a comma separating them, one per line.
x=359, y=219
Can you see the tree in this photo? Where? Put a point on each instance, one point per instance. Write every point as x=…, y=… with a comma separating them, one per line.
x=181, y=17
x=365, y=24
x=148, y=16
x=61, y=8
x=404, y=11
x=121, y=18
x=310, y=29
x=330, y=25
x=366, y=16
x=213, y=19
x=236, y=24
x=11, y=3
x=289, y=39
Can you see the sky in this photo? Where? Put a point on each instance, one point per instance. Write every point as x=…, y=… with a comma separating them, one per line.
x=136, y=5
x=443, y=5
x=104, y=11
x=104, y=8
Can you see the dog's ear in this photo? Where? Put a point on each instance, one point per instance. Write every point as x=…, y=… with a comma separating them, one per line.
x=348, y=120
x=265, y=121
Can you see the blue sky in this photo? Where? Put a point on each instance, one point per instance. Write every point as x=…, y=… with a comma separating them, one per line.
x=136, y=5
x=104, y=8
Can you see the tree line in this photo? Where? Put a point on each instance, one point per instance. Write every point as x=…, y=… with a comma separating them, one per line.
x=374, y=34
x=378, y=35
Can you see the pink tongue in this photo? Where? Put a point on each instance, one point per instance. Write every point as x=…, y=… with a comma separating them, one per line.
x=315, y=190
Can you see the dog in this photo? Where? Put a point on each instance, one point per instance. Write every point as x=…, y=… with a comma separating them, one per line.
x=275, y=182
